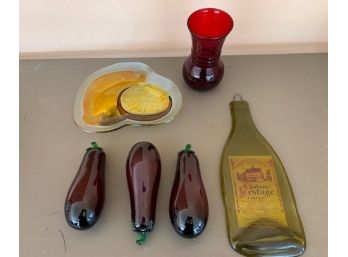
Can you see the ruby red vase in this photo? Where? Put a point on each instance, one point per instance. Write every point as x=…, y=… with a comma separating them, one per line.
x=203, y=69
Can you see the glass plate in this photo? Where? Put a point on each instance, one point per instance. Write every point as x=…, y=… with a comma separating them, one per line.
x=151, y=77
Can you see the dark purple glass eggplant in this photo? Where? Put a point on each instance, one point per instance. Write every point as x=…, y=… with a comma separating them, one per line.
x=143, y=177
x=188, y=206
x=85, y=199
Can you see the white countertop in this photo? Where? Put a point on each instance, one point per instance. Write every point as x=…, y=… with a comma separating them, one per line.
x=288, y=100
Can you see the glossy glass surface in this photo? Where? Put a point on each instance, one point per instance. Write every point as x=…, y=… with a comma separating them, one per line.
x=99, y=102
x=143, y=177
x=203, y=69
x=85, y=198
x=263, y=237
x=210, y=23
x=188, y=207
x=118, y=96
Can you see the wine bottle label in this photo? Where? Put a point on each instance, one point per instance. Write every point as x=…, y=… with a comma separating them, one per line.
x=256, y=191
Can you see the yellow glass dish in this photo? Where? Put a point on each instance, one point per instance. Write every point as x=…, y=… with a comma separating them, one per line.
x=148, y=98
x=100, y=101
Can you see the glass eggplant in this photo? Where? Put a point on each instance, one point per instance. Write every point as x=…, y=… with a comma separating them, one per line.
x=188, y=207
x=143, y=176
x=85, y=199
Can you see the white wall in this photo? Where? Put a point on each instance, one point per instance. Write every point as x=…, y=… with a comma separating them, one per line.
x=130, y=28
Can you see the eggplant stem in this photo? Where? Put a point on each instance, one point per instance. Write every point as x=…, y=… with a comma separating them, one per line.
x=95, y=145
x=187, y=147
x=141, y=239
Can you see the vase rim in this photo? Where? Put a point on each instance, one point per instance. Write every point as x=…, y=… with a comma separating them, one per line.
x=200, y=23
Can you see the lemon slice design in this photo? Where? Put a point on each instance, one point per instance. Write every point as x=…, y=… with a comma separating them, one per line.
x=99, y=103
x=144, y=100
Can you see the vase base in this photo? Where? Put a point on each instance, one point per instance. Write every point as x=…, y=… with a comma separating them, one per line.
x=202, y=79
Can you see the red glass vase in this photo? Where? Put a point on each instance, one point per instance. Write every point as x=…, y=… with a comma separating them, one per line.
x=203, y=69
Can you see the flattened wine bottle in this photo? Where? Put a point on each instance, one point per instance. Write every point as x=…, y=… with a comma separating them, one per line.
x=262, y=217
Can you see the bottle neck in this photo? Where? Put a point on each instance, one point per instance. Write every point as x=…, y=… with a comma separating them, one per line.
x=241, y=116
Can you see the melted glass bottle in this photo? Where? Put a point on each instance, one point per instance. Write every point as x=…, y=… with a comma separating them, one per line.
x=262, y=217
